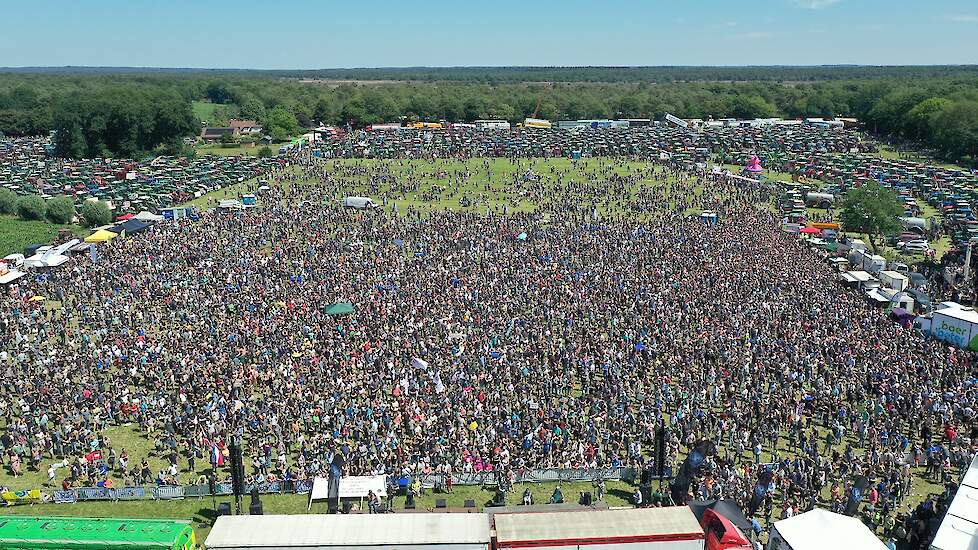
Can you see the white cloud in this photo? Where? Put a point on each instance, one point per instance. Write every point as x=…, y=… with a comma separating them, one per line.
x=961, y=18
x=815, y=4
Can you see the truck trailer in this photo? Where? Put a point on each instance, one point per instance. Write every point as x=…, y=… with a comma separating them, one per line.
x=894, y=280
x=669, y=528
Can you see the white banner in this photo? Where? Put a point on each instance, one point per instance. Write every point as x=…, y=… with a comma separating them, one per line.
x=320, y=489
x=677, y=121
x=350, y=487
x=358, y=486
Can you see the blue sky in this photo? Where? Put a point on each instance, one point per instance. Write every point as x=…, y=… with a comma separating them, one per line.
x=389, y=33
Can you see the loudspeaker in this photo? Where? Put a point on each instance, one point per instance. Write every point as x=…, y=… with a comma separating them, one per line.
x=409, y=502
x=224, y=509
x=586, y=498
x=255, y=509
x=237, y=470
x=470, y=504
x=660, y=452
x=440, y=503
x=347, y=505
x=212, y=483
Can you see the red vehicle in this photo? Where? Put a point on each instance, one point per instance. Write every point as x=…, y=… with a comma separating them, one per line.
x=721, y=534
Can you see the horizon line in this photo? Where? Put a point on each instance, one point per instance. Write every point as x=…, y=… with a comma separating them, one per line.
x=403, y=67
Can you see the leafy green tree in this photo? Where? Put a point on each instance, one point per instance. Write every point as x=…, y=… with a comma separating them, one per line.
x=253, y=109
x=873, y=210
x=752, y=107
x=31, y=207
x=220, y=92
x=281, y=124
x=228, y=138
x=61, y=209
x=889, y=113
x=265, y=152
x=919, y=118
x=8, y=201
x=95, y=213
x=955, y=130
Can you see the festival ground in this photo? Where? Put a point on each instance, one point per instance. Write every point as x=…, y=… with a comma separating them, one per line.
x=495, y=186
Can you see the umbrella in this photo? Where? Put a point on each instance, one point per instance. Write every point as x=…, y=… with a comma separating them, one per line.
x=810, y=230
x=521, y=236
x=340, y=308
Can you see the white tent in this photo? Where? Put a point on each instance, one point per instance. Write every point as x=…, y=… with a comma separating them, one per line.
x=146, y=216
x=959, y=529
x=11, y=276
x=820, y=529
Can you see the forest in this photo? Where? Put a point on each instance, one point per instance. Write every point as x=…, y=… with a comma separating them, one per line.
x=131, y=113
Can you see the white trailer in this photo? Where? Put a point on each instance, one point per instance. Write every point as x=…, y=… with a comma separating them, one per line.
x=860, y=259
x=894, y=280
x=670, y=528
x=492, y=124
x=956, y=324
x=351, y=532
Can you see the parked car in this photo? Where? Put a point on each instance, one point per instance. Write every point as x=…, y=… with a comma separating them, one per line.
x=912, y=242
x=916, y=247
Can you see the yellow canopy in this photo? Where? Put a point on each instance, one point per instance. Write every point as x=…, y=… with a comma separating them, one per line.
x=100, y=236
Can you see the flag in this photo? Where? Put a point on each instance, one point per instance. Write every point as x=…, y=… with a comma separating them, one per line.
x=764, y=478
x=859, y=486
x=690, y=467
x=217, y=457
x=420, y=364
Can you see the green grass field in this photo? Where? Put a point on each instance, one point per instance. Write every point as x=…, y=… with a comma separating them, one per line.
x=210, y=114
x=236, y=150
x=15, y=233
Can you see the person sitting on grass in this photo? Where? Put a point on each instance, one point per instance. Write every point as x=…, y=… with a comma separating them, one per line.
x=557, y=497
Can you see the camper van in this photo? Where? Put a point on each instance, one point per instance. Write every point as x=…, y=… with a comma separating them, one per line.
x=860, y=259
x=360, y=203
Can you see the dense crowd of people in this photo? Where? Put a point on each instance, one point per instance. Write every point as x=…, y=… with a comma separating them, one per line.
x=559, y=335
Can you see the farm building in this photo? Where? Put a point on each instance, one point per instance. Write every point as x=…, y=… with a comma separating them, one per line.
x=245, y=127
x=215, y=134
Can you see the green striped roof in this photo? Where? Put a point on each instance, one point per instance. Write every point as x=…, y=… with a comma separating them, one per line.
x=50, y=532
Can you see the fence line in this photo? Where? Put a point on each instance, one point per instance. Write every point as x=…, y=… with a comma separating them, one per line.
x=169, y=492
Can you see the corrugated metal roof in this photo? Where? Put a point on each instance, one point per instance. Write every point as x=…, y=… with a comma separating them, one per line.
x=607, y=524
x=961, y=313
x=347, y=530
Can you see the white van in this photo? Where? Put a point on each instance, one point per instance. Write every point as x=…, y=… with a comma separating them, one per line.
x=360, y=203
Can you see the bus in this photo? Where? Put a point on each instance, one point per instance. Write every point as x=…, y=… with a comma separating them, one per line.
x=63, y=533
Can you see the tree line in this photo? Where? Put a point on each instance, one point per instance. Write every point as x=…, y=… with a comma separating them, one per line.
x=129, y=114
x=776, y=73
